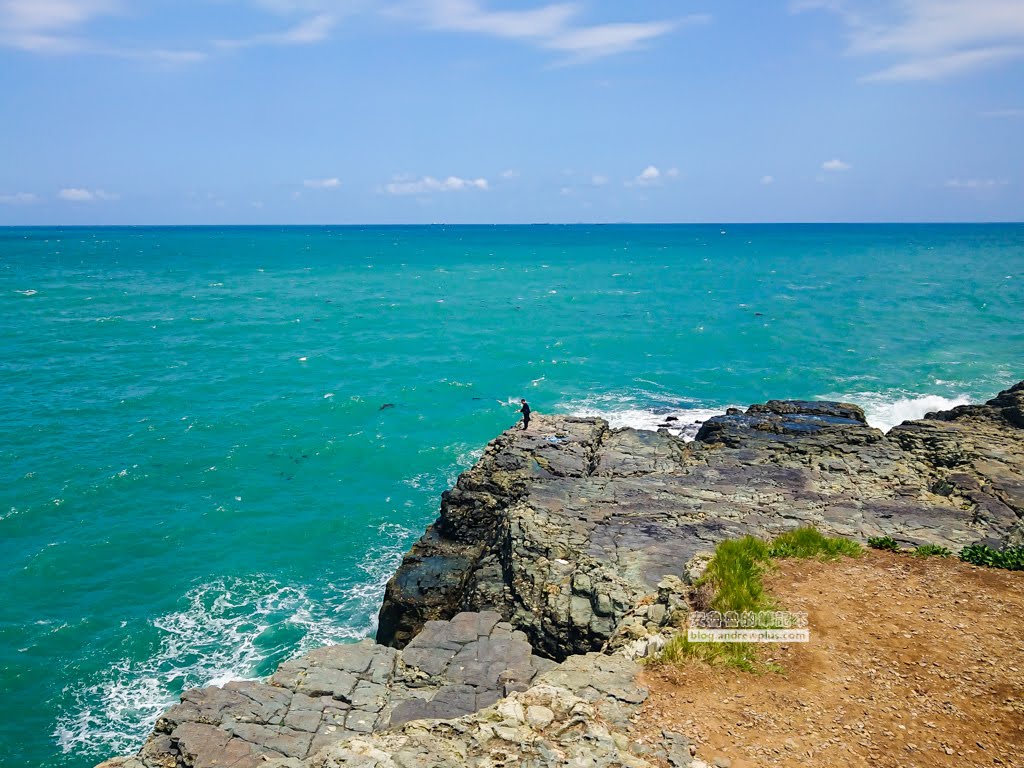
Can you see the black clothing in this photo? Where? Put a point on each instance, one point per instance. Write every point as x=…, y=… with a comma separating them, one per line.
x=525, y=410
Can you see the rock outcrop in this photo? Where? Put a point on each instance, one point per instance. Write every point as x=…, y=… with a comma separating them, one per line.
x=574, y=543
x=451, y=669
x=564, y=528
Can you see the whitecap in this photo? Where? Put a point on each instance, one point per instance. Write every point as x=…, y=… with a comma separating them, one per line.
x=645, y=410
x=227, y=629
x=884, y=410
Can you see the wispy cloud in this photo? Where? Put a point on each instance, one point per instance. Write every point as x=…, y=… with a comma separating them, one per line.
x=608, y=39
x=929, y=39
x=82, y=195
x=49, y=26
x=56, y=27
x=766, y=180
x=598, y=180
x=549, y=26
x=19, y=198
x=312, y=30
x=975, y=183
x=428, y=184
x=331, y=183
x=835, y=165
x=510, y=174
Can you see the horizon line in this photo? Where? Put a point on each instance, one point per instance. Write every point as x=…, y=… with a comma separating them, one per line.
x=528, y=224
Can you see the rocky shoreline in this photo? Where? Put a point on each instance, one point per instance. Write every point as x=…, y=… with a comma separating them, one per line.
x=510, y=633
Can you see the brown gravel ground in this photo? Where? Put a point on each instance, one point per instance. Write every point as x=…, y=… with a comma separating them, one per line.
x=912, y=662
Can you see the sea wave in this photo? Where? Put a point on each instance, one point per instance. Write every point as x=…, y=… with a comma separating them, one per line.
x=227, y=629
x=680, y=416
x=885, y=410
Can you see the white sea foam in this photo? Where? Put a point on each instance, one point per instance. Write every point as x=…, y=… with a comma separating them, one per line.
x=885, y=410
x=227, y=629
x=645, y=410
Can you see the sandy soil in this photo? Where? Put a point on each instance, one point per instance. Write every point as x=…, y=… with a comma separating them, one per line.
x=912, y=662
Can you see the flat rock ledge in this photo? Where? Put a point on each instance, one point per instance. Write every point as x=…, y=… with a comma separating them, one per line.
x=574, y=543
x=435, y=705
x=452, y=668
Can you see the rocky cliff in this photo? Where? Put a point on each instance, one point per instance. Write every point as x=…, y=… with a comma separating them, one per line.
x=563, y=528
x=573, y=543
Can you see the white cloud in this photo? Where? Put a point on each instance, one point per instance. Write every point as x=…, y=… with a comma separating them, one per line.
x=313, y=30
x=768, y=179
x=19, y=198
x=428, y=184
x=76, y=195
x=54, y=27
x=47, y=15
x=652, y=176
x=929, y=39
x=82, y=195
x=835, y=165
x=608, y=39
x=937, y=67
x=511, y=173
x=975, y=183
x=331, y=183
x=46, y=26
x=598, y=180
x=549, y=26
x=467, y=16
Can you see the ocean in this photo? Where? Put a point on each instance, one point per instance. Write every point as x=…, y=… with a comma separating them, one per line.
x=217, y=442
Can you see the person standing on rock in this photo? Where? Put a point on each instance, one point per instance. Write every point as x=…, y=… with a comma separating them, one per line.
x=525, y=410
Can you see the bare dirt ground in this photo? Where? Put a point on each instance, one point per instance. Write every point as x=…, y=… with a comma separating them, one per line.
x=912, y=662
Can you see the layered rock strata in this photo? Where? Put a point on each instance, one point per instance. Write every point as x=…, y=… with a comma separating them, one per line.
x=564, y=528
x=451, y=669
x=575, y=538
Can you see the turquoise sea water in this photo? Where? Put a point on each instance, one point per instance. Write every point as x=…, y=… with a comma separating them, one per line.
x=197, y=476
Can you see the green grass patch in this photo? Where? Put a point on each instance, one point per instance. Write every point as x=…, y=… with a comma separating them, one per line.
x=886, y=543
x=931, y=550
x=1011, y=558
x=810, y=542
x=735, y=578
x=735, y=575
x=742, y=656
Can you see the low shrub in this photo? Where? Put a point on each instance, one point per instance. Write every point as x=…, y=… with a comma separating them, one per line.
x=931, y=550
x=887, y=543
x=1011, y=558
x=810, y=542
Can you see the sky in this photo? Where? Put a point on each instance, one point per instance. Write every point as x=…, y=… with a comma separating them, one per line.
x=480, y=111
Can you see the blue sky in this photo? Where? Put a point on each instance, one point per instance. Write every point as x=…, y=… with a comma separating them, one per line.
x=418, y=111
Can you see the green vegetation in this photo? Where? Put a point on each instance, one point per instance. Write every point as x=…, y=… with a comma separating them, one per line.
x=931, y=550
x=1011, y=558
x=809, y=542
x=734, y=575
x=735, y=578
x=888, y=543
